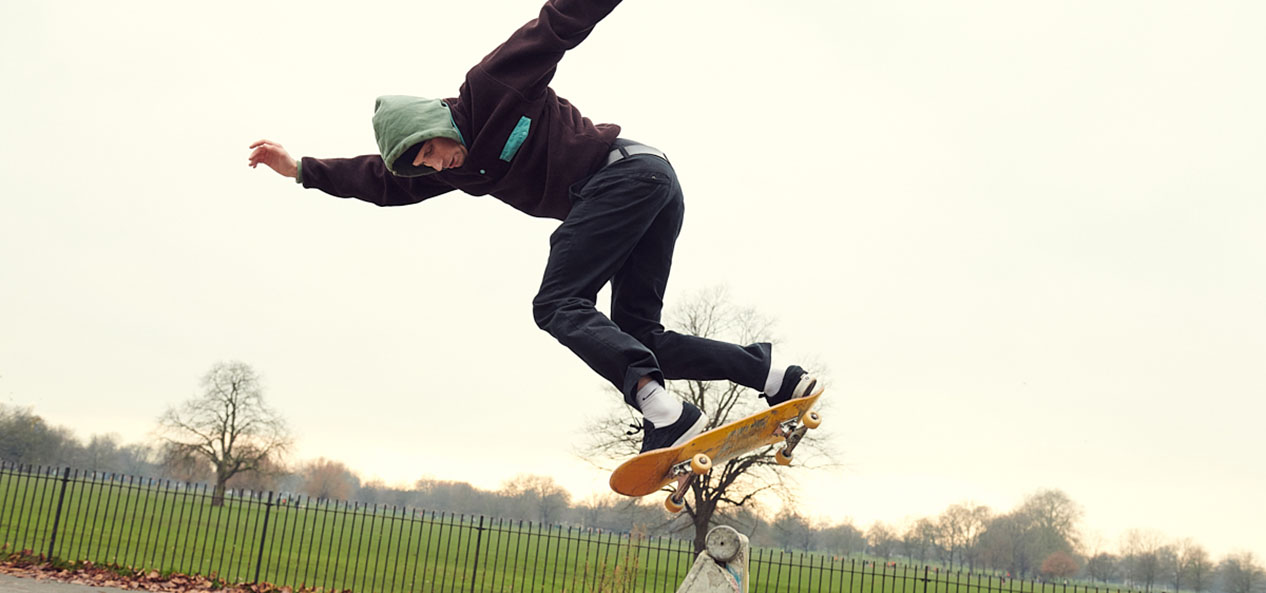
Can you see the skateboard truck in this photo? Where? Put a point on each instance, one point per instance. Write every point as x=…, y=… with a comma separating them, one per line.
x=792, y=431
x=686, y=472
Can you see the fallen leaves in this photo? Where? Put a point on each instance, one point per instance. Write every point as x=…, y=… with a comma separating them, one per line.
x=27, y=565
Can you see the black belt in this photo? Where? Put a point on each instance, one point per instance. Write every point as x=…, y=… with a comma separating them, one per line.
x=623, y=149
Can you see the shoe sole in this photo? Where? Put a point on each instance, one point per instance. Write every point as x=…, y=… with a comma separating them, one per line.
x=803, y=390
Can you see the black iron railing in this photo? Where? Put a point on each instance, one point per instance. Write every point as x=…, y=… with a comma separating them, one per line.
x=264, y=537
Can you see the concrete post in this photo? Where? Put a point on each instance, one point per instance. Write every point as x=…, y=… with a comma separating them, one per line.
x=721, y=567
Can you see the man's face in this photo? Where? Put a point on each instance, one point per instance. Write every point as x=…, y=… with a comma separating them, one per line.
x=441, y=154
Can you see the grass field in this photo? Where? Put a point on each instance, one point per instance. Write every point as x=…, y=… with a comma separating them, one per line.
x=340, y=546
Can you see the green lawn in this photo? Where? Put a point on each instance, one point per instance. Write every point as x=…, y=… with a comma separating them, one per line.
x=332, y=545
x=336, y=546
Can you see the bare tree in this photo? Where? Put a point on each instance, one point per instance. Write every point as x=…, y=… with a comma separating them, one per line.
x=1185, y=564
x=1045, y=523
x=1006, y=544
x=267, y=477
x=976, y=520
x=1102, y=567
x=325, y=479
x=1053, y=517
x=1197, y=567
x=181, y=464
x=882, y=540
x=843, y=539
x=1242, y=574
x=595, y=508
x=228, y=427
x=959, y=529
x=1168, y=564
x=740, y=481
x=26, y=438
x=921, y=538
x=1141, y=555
x=457, y=497
x=540, y=497
x=792, y=532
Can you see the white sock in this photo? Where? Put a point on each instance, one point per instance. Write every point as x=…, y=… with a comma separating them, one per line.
x=657, y=405
x=774, y=381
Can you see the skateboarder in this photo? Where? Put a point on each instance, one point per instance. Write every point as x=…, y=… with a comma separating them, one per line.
x=507, y=134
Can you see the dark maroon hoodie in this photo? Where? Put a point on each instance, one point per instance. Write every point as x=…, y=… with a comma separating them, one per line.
x=526, y=144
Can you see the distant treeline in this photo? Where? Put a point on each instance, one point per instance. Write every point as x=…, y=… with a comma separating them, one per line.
x=1041, y=538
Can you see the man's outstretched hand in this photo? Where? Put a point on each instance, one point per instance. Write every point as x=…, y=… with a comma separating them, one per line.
x=272, y=154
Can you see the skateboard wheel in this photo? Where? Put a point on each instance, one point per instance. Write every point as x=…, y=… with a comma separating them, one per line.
x=783, y=457
x=672, y=505
x=700, y=464
x=811, y=419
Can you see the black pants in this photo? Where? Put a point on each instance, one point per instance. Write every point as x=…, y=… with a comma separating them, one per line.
x=623, y=225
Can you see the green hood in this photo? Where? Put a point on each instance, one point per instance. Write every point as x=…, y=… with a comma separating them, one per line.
x=402, y=124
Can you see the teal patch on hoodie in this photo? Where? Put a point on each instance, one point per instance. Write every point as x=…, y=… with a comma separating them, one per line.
x=517, y=136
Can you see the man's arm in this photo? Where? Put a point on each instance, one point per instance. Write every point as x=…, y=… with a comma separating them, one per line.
x=527, y=60
x=367, y=178
x=364, y=177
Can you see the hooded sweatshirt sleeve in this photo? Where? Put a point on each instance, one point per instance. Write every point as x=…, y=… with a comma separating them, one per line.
x=527, y=61
x=366, y=178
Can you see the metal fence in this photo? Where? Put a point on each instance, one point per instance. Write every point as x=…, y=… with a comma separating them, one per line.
x=253, y=537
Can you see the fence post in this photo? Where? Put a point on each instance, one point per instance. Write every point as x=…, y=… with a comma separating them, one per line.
x=259, y=559
x=57, y=518
x=479, y=540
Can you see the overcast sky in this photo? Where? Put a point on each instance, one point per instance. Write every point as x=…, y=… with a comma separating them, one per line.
x=1034, y=230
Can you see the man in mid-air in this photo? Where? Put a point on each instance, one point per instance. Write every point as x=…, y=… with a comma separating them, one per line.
x=507, y=134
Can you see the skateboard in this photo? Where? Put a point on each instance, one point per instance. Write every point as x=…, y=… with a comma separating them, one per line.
x=652, y=470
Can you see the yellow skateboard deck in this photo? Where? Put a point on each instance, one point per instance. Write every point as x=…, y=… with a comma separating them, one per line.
x=651, y=471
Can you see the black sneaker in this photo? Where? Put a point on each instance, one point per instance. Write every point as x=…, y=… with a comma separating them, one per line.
x=691, y=423
x=796, y=382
